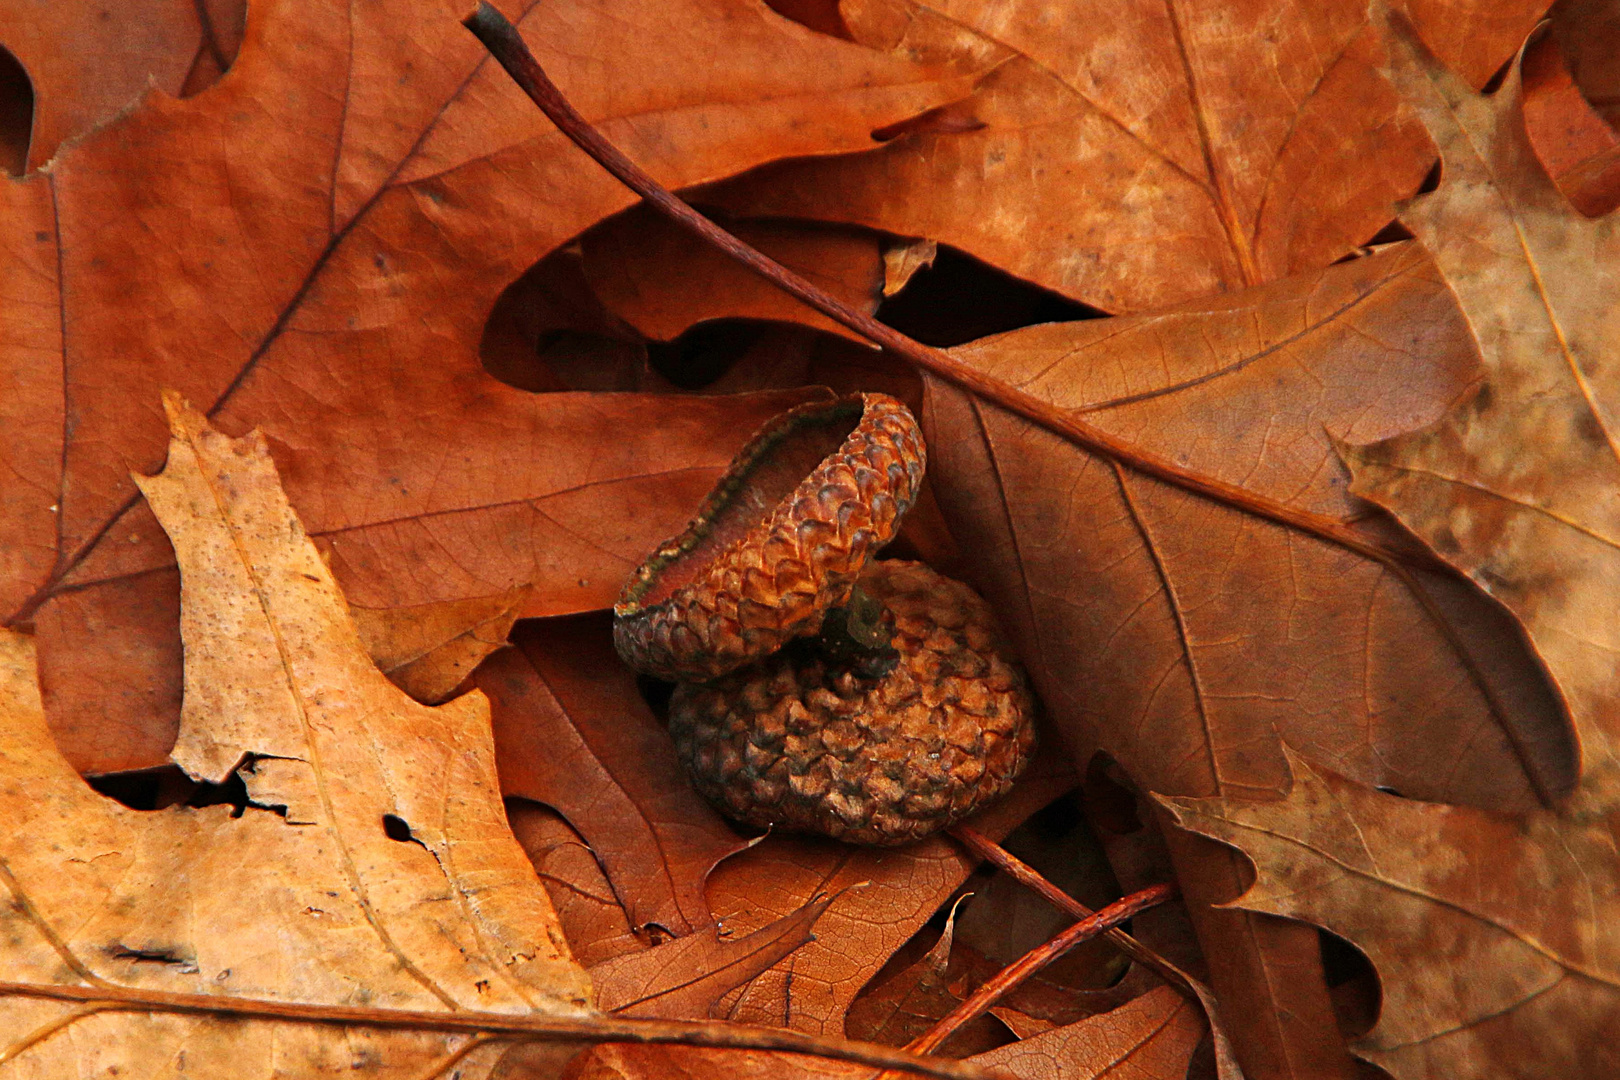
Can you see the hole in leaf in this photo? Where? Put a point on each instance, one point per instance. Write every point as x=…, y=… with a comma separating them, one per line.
x=549, y=332
x=16, y=114
x=1392, y=233
x=169, y=786
x=396, y=828
x=960, y=299
x=1494, y=83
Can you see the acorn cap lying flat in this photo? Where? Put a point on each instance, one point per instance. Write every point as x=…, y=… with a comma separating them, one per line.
x=808, y=745
x=777, y=543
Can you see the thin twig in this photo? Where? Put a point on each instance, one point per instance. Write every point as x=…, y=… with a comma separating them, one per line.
x=590, y=1027
x=1026, y=875
x=979, y=1002
x=1003, y=859
x=504, y=43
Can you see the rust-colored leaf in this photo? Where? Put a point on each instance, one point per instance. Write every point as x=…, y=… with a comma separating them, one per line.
x=593, y=921
x=89, y=60
x=1136, y=155
x=572, y=731
x=1183, y=636
x=661, y=279
x=899, y=890
x=1579, y=149
x=312, y=247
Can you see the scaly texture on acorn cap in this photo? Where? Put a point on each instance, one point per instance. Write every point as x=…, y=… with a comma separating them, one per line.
x=778, y=542
x=803, y=744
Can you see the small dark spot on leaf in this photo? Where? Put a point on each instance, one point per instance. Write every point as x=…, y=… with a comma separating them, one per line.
x=396, y=828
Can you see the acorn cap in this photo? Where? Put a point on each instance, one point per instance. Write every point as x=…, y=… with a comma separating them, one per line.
x=778, y=542
x=807, y=744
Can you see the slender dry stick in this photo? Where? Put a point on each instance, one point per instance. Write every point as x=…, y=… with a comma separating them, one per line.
x=594, y=1028
x=1026, y=875
x=1016, y=972
x=502, y=40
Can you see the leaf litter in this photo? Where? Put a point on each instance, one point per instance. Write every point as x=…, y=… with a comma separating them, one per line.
x=1201, y=644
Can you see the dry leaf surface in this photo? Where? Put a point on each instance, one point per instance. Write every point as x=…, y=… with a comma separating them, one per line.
x=1183, y=637
x=1136, y=155
x=304, y=896
x=1493, y=935
x=307, y=211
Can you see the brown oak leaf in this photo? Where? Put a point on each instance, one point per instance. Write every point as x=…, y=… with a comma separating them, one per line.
x=1493, y=934
x=572, y=732
x=1184, y=637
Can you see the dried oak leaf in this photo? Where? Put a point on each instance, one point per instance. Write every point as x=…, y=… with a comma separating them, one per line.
x=1150, y=1038
x=311, y=248
x=311, y=894
x=572, y=732
x=1494, y=936
x=1186, y=637
x=593, y=920
x=689, y=976
x=1136, y=155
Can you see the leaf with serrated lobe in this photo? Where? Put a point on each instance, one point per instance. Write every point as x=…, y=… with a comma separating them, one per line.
x=371, y=867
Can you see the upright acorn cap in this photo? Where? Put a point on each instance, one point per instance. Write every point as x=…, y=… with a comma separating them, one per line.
x=803, y=742
x=778, y=542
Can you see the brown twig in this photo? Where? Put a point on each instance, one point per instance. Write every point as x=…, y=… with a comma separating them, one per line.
x=594, y=1028
x=1003, y=859
x=1026, y=875
x=1027, y=965
x=502, y=40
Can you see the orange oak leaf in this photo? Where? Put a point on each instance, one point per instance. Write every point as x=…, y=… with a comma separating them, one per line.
x=86, y=61
x=312, y=246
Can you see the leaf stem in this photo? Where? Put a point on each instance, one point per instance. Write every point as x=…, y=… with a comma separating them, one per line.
x=587, y=1027
x=504, y=43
